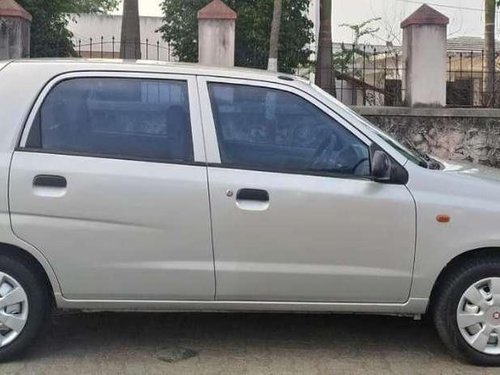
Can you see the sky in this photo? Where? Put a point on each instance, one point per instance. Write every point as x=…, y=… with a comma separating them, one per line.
x=466, y=16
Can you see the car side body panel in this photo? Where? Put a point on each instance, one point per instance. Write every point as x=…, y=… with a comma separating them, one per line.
x=317, y=239
x=18, y=90
x=153, y=245
x=474, y=210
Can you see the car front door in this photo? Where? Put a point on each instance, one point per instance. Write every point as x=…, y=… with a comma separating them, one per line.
x=110, y=184
x=295, y=214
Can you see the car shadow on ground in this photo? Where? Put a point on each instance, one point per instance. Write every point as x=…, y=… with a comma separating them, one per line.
x=349, y=334
x=235, y=343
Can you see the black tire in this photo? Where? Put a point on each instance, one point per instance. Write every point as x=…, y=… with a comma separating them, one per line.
x=39, y=301
x=447, y=298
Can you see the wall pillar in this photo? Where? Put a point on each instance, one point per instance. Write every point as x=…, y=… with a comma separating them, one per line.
x=15, y=25
x=216, y=34
x=424, y=54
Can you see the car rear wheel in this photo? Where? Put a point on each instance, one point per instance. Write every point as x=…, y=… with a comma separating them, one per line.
x=466, y=310
x=24, y=306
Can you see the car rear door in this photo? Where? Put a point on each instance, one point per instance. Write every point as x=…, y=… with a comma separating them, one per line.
x=110, y=184
x=295, y=214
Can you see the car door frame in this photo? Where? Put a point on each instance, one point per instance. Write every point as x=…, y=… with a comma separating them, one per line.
x=208, y=122
x=198, y=144
x=199, y=155
x=214, y=157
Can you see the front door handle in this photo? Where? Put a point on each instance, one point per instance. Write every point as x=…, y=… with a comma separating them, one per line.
x=50, y=181
x=252, y=195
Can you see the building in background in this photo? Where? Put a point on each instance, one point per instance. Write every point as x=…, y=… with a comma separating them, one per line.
x=99, y=36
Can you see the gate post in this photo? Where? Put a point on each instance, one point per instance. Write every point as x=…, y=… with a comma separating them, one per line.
x=424, y=54
x=15, y=25
x=216, y=34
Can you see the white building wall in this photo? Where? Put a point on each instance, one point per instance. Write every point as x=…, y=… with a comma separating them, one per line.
x=86, y=27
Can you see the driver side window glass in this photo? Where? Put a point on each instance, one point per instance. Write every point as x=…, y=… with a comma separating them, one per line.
x=269, y=129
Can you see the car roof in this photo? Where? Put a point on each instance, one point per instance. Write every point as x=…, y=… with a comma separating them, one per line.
x=147, y=66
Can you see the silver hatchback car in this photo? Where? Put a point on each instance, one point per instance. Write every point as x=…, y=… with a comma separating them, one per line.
x=147, y=186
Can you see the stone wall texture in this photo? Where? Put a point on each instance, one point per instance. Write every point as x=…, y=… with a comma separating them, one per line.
x=454, y=134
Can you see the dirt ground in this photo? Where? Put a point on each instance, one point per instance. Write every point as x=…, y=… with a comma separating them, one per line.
x=128, y=343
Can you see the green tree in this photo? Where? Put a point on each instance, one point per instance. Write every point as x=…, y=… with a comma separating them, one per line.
x=253, y=29
x=342, y=59
x=49, y=35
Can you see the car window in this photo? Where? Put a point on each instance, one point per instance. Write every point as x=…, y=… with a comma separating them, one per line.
x=129, y=118
x=269, y=129
x=400, y=148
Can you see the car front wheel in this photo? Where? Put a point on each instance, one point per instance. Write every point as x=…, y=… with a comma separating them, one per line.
x=467, y=310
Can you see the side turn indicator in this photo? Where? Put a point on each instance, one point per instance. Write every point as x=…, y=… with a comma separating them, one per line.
x=443, y=218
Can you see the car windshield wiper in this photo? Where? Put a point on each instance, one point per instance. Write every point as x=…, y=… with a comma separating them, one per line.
x=430, y=162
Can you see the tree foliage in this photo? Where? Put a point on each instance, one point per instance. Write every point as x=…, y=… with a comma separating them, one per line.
x=253, y=28
x=49, y=35
x=342, y=59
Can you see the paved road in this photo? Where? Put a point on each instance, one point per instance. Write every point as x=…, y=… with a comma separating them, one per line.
x=126, y=343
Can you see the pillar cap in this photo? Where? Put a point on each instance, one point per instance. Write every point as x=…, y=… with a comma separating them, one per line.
x=9, y=8
x=216, y=10
x=425, y=15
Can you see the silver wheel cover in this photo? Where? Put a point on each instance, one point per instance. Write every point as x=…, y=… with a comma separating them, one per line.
x=13, y=309
x=478, y=316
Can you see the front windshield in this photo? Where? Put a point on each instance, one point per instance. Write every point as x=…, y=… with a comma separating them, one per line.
x=409, y=154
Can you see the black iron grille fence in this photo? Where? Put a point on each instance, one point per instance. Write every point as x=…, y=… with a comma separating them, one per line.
x=110, y=49
x=375, y=76
x=466, y=80
x=367, y=75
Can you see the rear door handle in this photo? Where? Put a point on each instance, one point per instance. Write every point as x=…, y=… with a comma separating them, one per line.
x=50, y=181
x=252, y=195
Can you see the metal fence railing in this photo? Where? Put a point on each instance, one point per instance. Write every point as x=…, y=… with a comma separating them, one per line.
x=375, y=76
x=368, y=75
x=466, y=80
x=104, y=48
x=110, y=49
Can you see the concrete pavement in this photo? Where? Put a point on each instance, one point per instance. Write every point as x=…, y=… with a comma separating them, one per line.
x=128, y=343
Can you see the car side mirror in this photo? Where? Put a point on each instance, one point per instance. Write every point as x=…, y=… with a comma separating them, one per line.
x=381, y=166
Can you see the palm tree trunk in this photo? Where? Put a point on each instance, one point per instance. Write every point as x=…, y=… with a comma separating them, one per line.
x=489, y=53
x=275, y=37
x=324, y=62
x=130, y=47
